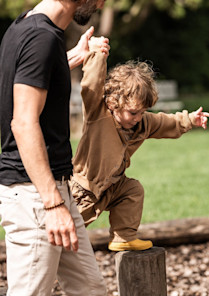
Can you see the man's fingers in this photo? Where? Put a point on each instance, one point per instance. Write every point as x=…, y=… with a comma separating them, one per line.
x=74, y=241
x=58, y=239
x=65, y=237
x=61, y=229
x=51, y=238
x=73, y=236
x=87, y=35
x=66, y=242
x=89, y=32
x=55, y=238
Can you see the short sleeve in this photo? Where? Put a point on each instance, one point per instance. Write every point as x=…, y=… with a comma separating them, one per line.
x=35, y=59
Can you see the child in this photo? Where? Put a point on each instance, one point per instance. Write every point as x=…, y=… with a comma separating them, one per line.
x=116, y=124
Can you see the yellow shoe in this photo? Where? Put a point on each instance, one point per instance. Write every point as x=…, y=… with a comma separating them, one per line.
x=135, y=245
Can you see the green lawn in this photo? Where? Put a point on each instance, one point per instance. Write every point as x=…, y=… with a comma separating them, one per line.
x=175, y=175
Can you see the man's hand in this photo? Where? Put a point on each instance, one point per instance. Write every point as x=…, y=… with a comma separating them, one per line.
x=61, y=229
x=87, y=43
x=201, y=118
x=77, y=54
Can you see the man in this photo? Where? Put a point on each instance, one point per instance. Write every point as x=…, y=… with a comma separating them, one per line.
x=45, y=235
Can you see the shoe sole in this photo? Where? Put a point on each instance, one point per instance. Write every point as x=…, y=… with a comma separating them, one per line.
x=129, y=249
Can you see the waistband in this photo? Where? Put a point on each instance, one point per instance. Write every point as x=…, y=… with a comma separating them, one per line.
x=63, y=178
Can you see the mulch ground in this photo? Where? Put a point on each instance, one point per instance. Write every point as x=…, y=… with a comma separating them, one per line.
x=187, y=268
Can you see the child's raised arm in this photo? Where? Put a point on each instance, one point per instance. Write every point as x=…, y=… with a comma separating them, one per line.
x=94, y=75
x=200, y=118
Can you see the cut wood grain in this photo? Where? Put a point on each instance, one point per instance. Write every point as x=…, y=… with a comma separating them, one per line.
x=141, y=273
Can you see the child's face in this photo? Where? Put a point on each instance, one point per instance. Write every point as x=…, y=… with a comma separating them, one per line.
x=128, y=117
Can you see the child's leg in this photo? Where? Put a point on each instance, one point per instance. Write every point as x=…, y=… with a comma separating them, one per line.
x=125, y=213
x=88, y=205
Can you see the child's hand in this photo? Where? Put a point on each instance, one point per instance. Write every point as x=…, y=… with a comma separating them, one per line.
x=99, y=44
x=201, y=118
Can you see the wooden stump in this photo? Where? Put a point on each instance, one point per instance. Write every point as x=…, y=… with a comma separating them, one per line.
x=141, y=273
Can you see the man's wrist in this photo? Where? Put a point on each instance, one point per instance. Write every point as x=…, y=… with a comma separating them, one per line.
x=54, y=206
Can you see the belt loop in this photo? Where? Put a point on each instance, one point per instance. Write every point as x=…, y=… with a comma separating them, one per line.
x=63, y=179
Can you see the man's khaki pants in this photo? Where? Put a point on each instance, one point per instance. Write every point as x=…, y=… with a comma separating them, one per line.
x=32, y=262
x=124, y=201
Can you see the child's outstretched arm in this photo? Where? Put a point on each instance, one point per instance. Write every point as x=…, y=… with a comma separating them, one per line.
x=199, y=118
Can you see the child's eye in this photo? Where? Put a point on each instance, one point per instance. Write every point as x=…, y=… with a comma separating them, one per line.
x=133, y=112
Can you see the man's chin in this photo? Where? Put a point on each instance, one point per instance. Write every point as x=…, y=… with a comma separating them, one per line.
x=81, y=21
x=82, y=17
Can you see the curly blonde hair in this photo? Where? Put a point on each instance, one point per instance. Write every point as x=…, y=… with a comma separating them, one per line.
x=130, y=84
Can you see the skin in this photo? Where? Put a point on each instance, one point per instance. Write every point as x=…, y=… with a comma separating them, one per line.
x=84, y=12
x=77, y=54
x=201, y=118
x=25, y=126
x=128, y=117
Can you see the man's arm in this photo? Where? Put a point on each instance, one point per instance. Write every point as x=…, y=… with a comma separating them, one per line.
x=28, y=104
x=77, y=54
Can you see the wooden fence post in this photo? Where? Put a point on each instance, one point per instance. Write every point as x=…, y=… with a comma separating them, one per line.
x=141, y=273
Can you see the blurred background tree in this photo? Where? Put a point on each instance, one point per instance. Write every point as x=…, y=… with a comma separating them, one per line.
x=11, y=9
x=172, y=34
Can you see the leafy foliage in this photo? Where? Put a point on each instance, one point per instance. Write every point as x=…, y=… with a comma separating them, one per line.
x=11, y=8
x=176, y=8
x=178, y=48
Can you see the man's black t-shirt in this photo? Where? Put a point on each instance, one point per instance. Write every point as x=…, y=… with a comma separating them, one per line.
x=33, y=52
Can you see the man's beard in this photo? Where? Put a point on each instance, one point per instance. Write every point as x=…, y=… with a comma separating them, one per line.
x=83, y=14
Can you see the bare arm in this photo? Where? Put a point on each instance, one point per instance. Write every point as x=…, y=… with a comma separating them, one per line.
x=28, y=105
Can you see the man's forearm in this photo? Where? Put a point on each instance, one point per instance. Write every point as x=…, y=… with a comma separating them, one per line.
x=74, y=58
x=32, y=149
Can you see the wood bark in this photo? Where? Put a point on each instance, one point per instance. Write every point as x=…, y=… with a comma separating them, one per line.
x=141, y=273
